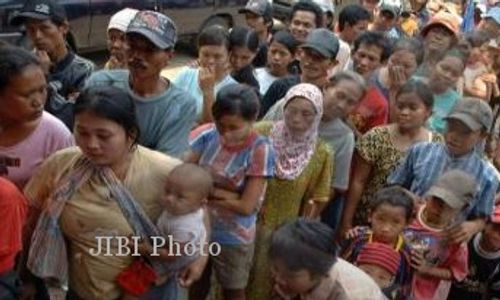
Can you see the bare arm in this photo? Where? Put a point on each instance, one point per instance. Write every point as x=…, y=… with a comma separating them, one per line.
x=247, y=203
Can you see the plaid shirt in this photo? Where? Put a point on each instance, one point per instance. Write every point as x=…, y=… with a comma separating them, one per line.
x=425, y=162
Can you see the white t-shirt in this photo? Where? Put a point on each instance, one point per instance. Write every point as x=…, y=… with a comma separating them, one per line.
x=265, y=79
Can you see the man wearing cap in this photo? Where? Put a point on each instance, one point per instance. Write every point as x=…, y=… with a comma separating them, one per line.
x=46, y=26
x=483, y=279
x=117, y=45
x=259, y=16
x=491, y=22
x=468, y=125
x=317, y=56
x=165, y=113
x=386, y=21
x=439, y=35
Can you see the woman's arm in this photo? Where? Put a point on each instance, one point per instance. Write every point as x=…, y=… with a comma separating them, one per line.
x=362, y=171
x=247, y=202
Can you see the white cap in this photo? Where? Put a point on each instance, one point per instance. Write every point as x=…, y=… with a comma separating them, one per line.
x=122, y=19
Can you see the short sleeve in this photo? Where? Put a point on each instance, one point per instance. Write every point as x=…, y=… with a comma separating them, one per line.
x=200, y=137
x=262, y=159
x=12, y=217
x=342, y=162
x=404, y=174
x=369, y=145
x=321, y=188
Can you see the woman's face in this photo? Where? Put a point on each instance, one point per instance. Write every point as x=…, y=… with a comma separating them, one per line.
x=103, y=141
x=24, y=97
x=233, y=129
x=214, y=57
x=438, y=39
x=406, y=60
x=447, y=72
x=410, y=111
x=341, y=100
x=240, y=57
x=299, y=115
x=278, y=59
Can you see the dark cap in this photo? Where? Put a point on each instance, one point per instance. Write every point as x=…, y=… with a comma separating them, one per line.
x=323, y=41
x=259, y=7
x=393, y=9
x=40, y=10
x=456, y=188
x=473, y=112
x=156, y=27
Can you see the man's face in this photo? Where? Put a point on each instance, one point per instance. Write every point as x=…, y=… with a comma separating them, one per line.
x=256, y=22
x=438, y=39
x=46, y=35
x=367, y=59
x=370, y=5
x=313, y=65
x=302, y=23
x=385, y=20
x=351, y=33
x=117, y=45
x=144, y=58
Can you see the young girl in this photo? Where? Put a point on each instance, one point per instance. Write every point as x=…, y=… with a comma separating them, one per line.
x=305, y=266
x=240, y=161
x=280, y=55
x=379, y=151
x=244, y=45
x=205, y=81
x=390, y=210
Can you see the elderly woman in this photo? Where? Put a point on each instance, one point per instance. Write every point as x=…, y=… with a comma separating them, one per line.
x=108, y=186
x=301, y=185
x=28, y=134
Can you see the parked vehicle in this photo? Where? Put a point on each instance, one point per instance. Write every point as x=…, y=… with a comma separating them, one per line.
x=89, y=18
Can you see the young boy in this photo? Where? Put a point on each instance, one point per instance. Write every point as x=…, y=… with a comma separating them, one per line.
x=435, y=258
x=483, y=280
x=182, y=222
x=467, y=125
x=381, y=262
x=390, y=212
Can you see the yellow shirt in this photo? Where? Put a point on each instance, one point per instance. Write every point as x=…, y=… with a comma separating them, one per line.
x=92, y=212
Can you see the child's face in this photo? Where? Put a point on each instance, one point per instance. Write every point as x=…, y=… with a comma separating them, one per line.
x=181, y=197
x=240, y=57
x=233, y=129
x=278, y=59
x=459, y=138
x=438, y=212
x=387, y=222
x=292, y=282
x=380, y=275
x=491, y=238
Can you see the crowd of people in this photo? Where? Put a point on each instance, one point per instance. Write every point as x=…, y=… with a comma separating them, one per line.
x=352, y=155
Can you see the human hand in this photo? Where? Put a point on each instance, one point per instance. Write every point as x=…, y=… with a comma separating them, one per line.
x=464, y=231
x=44, y=59
x=397, y=76
x=418, y=262
x=354, y=232
x=207, y=79
x=193, y=272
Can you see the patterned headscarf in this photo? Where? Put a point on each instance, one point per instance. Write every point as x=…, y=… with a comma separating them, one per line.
x=293, y=154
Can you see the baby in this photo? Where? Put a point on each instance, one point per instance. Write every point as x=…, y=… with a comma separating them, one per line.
x=182, y=221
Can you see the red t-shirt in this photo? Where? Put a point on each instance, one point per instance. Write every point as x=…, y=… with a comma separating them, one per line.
x=373, y=110
x=13, y=208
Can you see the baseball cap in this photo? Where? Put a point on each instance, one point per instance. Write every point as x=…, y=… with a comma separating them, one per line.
x=323, y=41
x=493, y=13
x=495, y=216
x=445, y=19
x=259, y=7
x=473, y=112
x=381, y=255
x=122, y=19
x=455, y=187
x=156, y=27
x=393, y=9
x=40, y=10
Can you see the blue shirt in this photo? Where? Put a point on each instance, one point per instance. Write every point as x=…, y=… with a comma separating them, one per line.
x=425, y=162
x=165, y=120
x=443, y=104
x=188, y=80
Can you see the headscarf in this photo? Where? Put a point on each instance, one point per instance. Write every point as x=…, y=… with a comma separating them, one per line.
x=292, y=153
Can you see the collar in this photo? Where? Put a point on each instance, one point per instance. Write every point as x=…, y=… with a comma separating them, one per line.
x=480, y=251
x=399, y=243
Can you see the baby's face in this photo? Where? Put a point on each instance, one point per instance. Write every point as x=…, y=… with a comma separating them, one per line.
x=380, y=275
x=180, y=196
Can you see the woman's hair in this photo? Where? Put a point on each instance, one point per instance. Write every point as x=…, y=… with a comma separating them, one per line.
x=304, y=244
x=421, y=89
x=110, y=103
x=236, y=99
x=412, y=45
x=348, y=76
x=393, y=196
x=285, y=38
x=214, y=35
x=13, y=61
x=244, y=37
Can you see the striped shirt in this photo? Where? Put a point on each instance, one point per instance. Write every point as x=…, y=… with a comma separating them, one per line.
x=230, y=170
x=425, y=162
